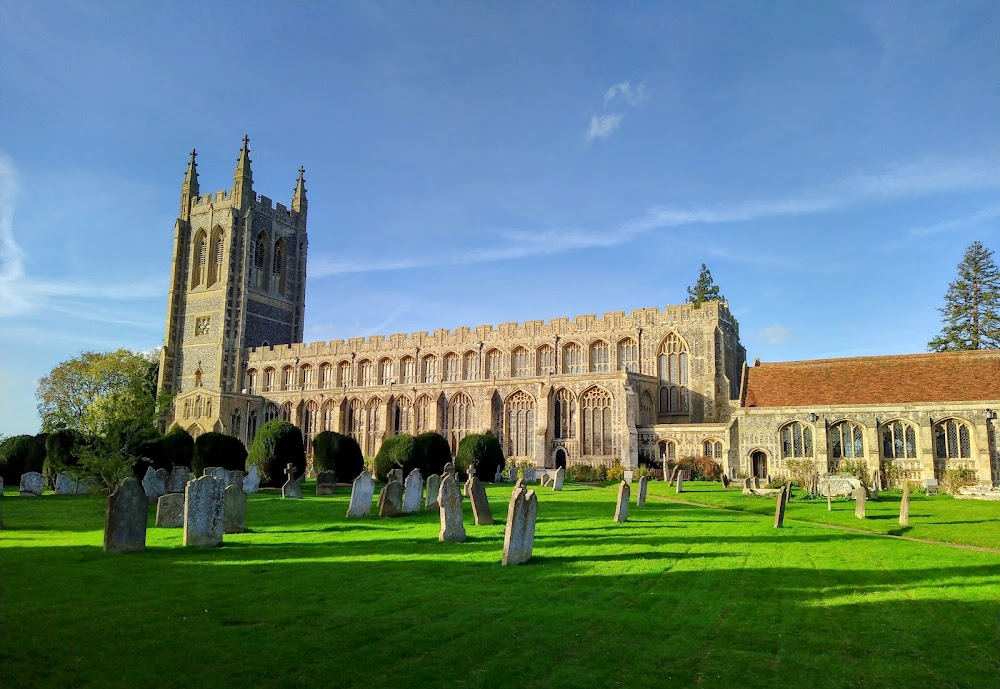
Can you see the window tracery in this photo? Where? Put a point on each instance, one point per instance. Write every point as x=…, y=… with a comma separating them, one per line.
x=521, y=362
x=952, y=440
x=422, y=414
x=452, y=367
x=847, y=441
x=600, y=357
x=470, y=369
x=572, y=358
x=628, y=355
x=564, y=411
x=899, y=440
x=408, y=368
x=366, y=373
x=429, y=369
x=344, y=374
x=673, y=373
x=712, y=449
x=546, y=360
x=796, y=441
x=519, y=413
x=494, y=364
x=460, y=418
x=595, y=406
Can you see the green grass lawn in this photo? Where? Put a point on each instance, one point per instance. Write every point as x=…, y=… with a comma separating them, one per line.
x=678, y=596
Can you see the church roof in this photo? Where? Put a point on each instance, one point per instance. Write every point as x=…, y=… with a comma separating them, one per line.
x=944, y=377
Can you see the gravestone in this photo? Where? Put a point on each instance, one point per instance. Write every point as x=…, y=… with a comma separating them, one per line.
x=32, y=483
x=450, y=499
x=861, y=498
x=203, y=507
x=829, y=504
x=449, y=470
x=788, y=492
x=235, y=477
x=557, y=482
x=396, y=475
x=390, y=499
x=640, y=498
x=212, y=471
x=361, y=495
x=292, y=488
x=413, y=491
x=125, y=519
x=497, y=477
x=545, y=478
x=251, y=483
x=680, y=484
x=904, y=504
x=621, y=508
x=931, y=486
x=153, y=485
x=480, y=504
x=755, y=484
x=530, y=475
x=779, y=508
x=629, y=475
x=65, y=484
x=512, y=473
x=725, y=482
x=170, y=511
x=326, y=483
x=164, y=476
x=234, y=509
x=519, y=537
x=178, y=479
x=747, y=485
x=673, y=475
x=433, y=486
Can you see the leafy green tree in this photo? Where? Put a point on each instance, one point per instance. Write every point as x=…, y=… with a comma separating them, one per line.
x=62, y=453
x=20, y=454
x=705, y=289
x=971, y=311
x=480, y=453
x=277, y=444
x=397, y=452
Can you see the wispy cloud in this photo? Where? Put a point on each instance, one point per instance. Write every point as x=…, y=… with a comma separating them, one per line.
x=920, y=232
x=603, y=126
x=775, y=334
x=634, y=96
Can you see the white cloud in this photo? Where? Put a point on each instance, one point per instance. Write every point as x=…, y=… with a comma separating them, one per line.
x=634, y=96
x=915, y=233
x=603, y=126
x=775, y=334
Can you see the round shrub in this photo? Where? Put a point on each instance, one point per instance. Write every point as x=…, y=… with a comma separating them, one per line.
x=20, y=454
x=176, y=448
x=338, y=453
x=218, y=450
x=60, y=454
x=480, y=452
x=431, y=453
x=277, y=443
x=397, y=452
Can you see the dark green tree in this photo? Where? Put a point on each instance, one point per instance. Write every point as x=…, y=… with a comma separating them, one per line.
x=971, y=311
x=338, y=453
x=705, y=289
x=480, y=453
x=277, y=444
x=397, y=452
x=218, y=450
x=20, y=454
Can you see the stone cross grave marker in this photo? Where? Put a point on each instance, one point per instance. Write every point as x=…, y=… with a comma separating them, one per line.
x=203, y=512
x=480, y=504
x=170, y=511
x=519, y=536
x=640, y=497
x=390, y=499
x=557, y=482
x=450, y=499
x=861, y=498
x=292, y=488
x=433, y=486
x=234, y=509
x=361, y=495
x=904, y=504
x=779, y=508
x=413, y=492
x=32, y=483
x=326, y=483
x=621, y=508
x=125, y=519
x=449, y=470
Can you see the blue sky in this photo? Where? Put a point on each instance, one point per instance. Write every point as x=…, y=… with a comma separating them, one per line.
x=473, y=163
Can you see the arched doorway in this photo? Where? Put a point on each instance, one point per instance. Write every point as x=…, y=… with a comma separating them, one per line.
x=758, y=464
x=560, y=458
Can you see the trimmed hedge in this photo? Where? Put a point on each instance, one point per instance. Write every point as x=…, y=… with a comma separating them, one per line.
x=20, y=454
x=482, y=453
x=218, y=450
x=398, y=451
x=431, y=453
x=60, y=453
x=338, y=453
x=176, y=448
x=277, y=443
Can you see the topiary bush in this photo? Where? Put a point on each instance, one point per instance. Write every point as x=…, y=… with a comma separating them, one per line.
x=20, y=454
x=397, y=452
x=60, y=454
x=277, y=443
x=480, y=452
x=218, y=450
x=431, y=453
x=176, y=448
x=338, y=453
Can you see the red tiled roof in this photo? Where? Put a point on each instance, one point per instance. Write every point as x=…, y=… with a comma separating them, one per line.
x=944, y=377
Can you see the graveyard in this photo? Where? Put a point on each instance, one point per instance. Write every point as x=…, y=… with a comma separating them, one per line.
x=679, y=593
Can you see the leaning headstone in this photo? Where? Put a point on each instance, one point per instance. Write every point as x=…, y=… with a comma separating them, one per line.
x=203, y=507
x=390, y=499
x=170, y=511
x=860, y=497
x=326, y=483
x=621, y=508
x=520, y=534
x=32, y=483
x=545, y=478
x=449, y=470
x=779, y=508
x=235, y=477
x=725, y=481
x=234, y=509
x=673, y=475
x=640, y=497
x=788, y=492
x=931, y=486
x=557, y=482
x=125, y=520
x=292, y=488
x=680, y=484
x=904, y=504
x=480, y=504
x=65, y=484
x=153, y=485
x=413, y=491
x=251, y=483
x=433, y=486
x=520, y=484
x=450, y=499
x=178, y=479
x=361, y=495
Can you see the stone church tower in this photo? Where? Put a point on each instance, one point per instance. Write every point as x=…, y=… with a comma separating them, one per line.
x=238, y=281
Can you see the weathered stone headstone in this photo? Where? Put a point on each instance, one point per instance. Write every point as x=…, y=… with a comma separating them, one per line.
x=530, y=475
x=557, y=482
x=519, y=484
x=786, y=496
x=829, y=503
x=519, y=537
x=32, y=483
x=480, y=504
x=834, y=485
x=292, y=488
x=235, y=477
x=779, y=508
x=433, y=486
x=125, y=519
x=213, y=471
x=621, y=508
x=861, y=498
x=497, y=477
x=512, y=473
x=234, y=509
x=640, y=496
x=413, y=491
x=931, y=486
x=65, y=484
x=545, y=478
x=680, y=484
x=170, y=511
x=396, y=475
x=904, y=504
x=326, y=483
x=178, y=479
x=449, y=470
x=673, y=475
x=629, y=475
x=747, y=485
x=755, y=485
x=153, y=485
x=164, y=475
x=203, y=508
x=390, y=499
x=361, y=495
x=725, y=481
x=450, y=499
x=251, y=483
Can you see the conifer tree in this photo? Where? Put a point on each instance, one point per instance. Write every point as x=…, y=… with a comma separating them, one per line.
x=971, y=312
x=705, y=289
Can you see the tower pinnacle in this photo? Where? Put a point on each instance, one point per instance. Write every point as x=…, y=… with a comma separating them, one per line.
x=189, y=187
x=299, y=202
x=243, y=177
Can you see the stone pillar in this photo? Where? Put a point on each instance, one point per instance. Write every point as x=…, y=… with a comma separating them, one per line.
x=984, y=468
x=629, y=450
x=925, y=449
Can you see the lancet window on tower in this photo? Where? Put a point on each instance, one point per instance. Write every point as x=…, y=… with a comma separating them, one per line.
x=260, y=260
x=600, y=357
x=200, y=259
x=278, y=267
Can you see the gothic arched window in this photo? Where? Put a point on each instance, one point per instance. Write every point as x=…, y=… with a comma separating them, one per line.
x=356, y=421
x=200, y=259
x=494, y=364
x=326, y=376
x=366, y=372
x=847, y=441
x=452, y=367
x=402, y=416
x=344, y=374
x=564, y=411
x=521, y=362
x=595, y=408
x=408, y=370
x=470, y=369
x=429, y=369
x=600, y=357
x=460, y=416
x=260, y=260
x=572, y=359
x=519, y=414
x=268, y=380
x=646, y=415
x=712, y=449
x=306, y=374
x=544, y=360
x=422, y=414
x=796, y=441
x=329, y=415
x=375, y=428
x=899, y=440
x=672, y=364
x=952, y=440
x=215, y=269
x=628, y=355
x=252, y=381
x=278, y=267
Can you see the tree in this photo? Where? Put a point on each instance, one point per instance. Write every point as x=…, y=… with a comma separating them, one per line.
x=338, y=453
x=218, y=450
x=705, y=289
x=971, y=311
x=20, y=454
x=277, y=444
x=480, y=453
